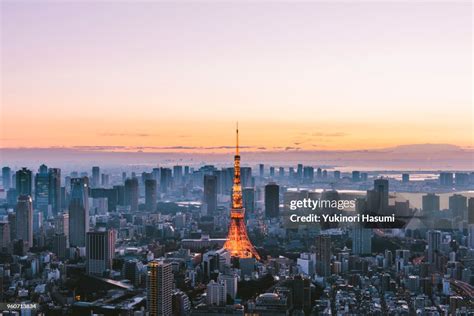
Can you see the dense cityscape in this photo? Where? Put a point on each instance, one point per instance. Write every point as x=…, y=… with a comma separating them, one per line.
x=207, y=240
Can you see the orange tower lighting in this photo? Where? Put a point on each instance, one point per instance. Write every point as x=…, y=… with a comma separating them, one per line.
x=238, y=242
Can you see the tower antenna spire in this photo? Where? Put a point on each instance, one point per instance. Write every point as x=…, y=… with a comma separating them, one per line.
x=237, y=138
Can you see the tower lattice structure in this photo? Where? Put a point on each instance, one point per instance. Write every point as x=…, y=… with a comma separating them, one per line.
x=238, y=242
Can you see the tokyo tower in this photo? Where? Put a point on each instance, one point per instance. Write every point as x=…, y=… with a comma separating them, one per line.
x=238, y=242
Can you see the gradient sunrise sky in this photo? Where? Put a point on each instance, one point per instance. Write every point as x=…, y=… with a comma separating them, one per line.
x=308, y=76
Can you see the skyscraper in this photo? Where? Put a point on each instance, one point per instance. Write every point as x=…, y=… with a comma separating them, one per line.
x=210, y=194
x=261, y=170
x=248, y=196
x=238, y=243
x=6, y=178
x=165, y=180
x=323, y=255
x=42, y=189
x=430, y=203
x=178, y=174
x=131, y=194
x=458, y=205
x=100, y=248
x=23, y=181
x=159, y=288
x=434, y=244
x=361, y=240
x=272, y=200
x=24, y=220
x=95, y=177
x=55, y=190
x=150, y=195
x=79, y=212
x=377, y=199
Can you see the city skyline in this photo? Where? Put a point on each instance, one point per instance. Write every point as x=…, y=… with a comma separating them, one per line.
x=162, y=77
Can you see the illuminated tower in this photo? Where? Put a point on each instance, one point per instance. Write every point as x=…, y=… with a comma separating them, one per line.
x=238, y=242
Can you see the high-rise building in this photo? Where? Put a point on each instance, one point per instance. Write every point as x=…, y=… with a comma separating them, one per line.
x=55, y=190
x=150, y=195
x=446, y=178
x=248, y=196
x=131, y=194
x=24, y=220
x=95, y=183
x=281, y=172
x=430, y=203
x=159, y=288
x=79, y=212
x=458, y=205
x=178, y=174
x=230, y=283
x=470, y=211
x=24, y=182
x=261, y=170
x=299, y=171
x=100, y=249
x=377, y=199
x=5, y=236
x=6, y=178
x=272, y=172
x=210, y=194
x=165, y=180
x=246, y=176
x=361, y=240
x=355, y=176
x=337, y=174
x=405, y=177
x=42, y=190
x=272, y=200
x=434, y=244
x=60, y=245
x=216, y=293
x=323, y=255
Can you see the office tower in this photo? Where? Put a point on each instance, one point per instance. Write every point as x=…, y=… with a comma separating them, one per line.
x=210, y=194
x=95, y=177
x=60, y=245
x=434, y=243
x=165, y=180
x=216, y=294
x=186, y=171
x=405, y=177
x=272, y=172
x=377, y=199
x=248, y=196
x=319, y=173
x=178, y=174
x=337, y=174
x=261, y=170
x=37, y=221
x=238, y=243
x=150, y=195
x=246, y=176
x=5, y=237
x=79, y=212
x=301, y=293
x=291, y=173
x=325, y=174
x=308, y=174
x=361, y=240
x=24, y=220
x=272, y=200
x=430, y=203
x=281, y=172
x=23, y=182
x=446, y=178
x=364, y=176
x=61, y=224
x=54, y=175
x=131, y=271
x=159, y=288
x=6, y=178
x=42, y=189
x=323, y=255
x=124, y=176
x=355, y=176
x=470, y=211
x=131, y=194
x=461, y=178
x=299, y=171
x=458, y=205
x=100, y=249
x=104, y=180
